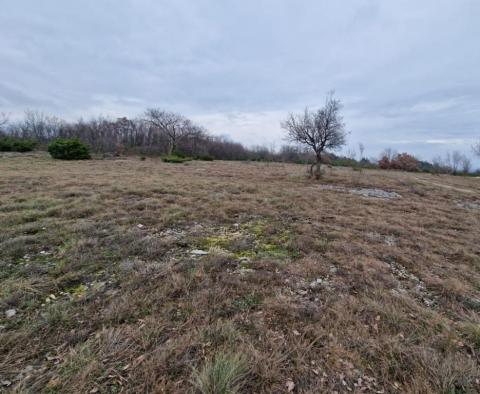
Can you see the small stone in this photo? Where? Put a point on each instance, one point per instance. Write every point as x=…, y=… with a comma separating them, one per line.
x=10, y=313
x=140, y=226
x=317, y=282
x=6, y=383
x=198, y=252
x=290, y=385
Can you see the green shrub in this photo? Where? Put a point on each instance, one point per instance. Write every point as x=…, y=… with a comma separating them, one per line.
x=9, y=144
x=6, y=144
x=178, y=153
x=175, y=159
x=68, y=149
x=24, y=145
x=204, y=157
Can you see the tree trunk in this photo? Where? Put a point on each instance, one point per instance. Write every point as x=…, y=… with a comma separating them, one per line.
x=318, y=169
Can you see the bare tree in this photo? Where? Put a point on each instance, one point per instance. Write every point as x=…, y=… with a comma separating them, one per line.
x=351, y=154
x=173, y=125
x=3, y=119
x=38, y=126
x=361, y=148
x=320, y=130
x=466, y=164
x=456, y=161
x=476, y=149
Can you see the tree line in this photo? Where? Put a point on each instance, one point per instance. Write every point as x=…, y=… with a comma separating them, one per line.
x=315, y=136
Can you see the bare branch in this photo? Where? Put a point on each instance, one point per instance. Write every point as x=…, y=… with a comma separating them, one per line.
x=320, y=130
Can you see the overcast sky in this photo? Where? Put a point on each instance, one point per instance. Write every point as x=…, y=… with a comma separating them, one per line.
x=407, y=71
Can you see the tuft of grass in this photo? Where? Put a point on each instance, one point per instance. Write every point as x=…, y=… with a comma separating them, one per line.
x=225, y=374
x=220, y=333
x=471, y=331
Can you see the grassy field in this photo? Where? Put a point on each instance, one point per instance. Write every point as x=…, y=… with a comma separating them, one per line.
x=142, y=276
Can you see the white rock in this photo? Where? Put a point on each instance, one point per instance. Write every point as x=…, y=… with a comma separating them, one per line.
x=198, y=252
x=10, y=313
x=140, y=226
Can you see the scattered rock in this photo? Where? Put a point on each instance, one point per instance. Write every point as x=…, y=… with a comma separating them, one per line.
x=290, y=385
x=420, y=290
x=140, y=226
x=468, y=205
x=320, y=282
x=243, y=271
x=333, y=269
x=316, y=283
x=10, y=313
x=6, y=383
x=389, y=240
x=375, y=193
x=198, y=252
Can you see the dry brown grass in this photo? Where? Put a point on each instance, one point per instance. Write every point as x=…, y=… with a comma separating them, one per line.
x=303, y=287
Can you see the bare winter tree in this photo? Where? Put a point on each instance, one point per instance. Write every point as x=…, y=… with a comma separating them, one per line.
x=320, y=130
x=476, y=149
x=466, y=164
x=173, y=125
x=456, y=161
x=3, y=119
x=361, y=148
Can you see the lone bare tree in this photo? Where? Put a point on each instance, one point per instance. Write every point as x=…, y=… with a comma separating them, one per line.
x=320, y=130
x=173, y=125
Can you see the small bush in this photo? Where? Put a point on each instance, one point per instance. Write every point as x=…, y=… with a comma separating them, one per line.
x=205, y=157
x=175, y=159
x=6, y=144
x=9, y=144
x=24, y=145
x=178, y=153
x=402, y=161
x=69, y=149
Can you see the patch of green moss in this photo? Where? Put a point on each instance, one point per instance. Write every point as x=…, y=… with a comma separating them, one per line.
x=263, y=245
x=78, y=291
x=272, y=250
x=222, y=241
x=251, y=254
x=258, y=229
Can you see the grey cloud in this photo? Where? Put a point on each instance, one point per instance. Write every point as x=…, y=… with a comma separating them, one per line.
x=406, y=70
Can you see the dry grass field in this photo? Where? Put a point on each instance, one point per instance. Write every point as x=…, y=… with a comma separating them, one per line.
x=214, y=277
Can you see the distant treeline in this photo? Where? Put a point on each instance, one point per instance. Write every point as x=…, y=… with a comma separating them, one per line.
x=162, y=133
x=157, y=133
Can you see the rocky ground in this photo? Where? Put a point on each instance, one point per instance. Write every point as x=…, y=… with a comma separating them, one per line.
x=142, y=276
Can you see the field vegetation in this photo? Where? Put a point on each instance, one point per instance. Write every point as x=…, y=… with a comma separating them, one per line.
x=128, y=275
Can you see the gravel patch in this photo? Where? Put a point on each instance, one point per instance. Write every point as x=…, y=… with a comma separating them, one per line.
x=364, y=192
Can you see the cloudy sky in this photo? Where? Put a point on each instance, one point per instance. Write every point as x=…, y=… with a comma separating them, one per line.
x=407, y=71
